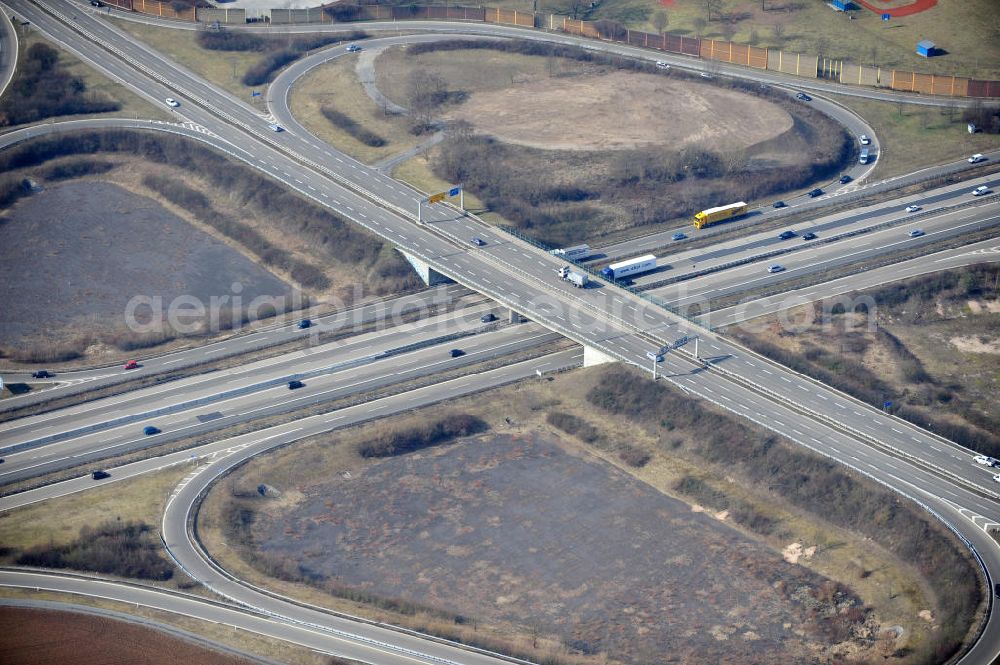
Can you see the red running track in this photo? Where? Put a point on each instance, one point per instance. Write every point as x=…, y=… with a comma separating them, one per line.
x=914, y=8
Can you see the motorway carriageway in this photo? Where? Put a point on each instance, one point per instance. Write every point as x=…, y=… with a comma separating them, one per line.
x=814, y=256
x=985, y=251
x=679, y=261
x=93, y=431
x=381, y=313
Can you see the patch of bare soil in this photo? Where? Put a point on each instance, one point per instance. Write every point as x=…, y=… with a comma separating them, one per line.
x=73, y=256
x=980, y=344
x=514, y=528
x=32, y=636
x=619, y=110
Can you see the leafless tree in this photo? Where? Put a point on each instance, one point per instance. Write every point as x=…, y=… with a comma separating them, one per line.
x=712, y=7
x=778, y=33
x=699, y=25
x=660, y=21
x=427, y=91
x=729, y=26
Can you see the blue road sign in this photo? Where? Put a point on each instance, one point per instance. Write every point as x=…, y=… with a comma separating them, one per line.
x=886, y=405
x=454, y=191
x=886, y=17
x=254, y=93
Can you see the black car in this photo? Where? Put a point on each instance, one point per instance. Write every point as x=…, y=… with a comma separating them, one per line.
x=489, y=316
x=803, y=96
x=100, y=475
x=996, y=590
x=292, y=385
x=149, y=430
x=96, y=3
x=455, y=353
x=305, y=323
x=478, y=242
x=785, y=235
x=809, y=236
x=42, y=374
x=779, y=204
x=816, y=192
x=844, y=179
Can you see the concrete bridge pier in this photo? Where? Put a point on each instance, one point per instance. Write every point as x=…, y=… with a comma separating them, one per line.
x=429, y=276
x=592, y=356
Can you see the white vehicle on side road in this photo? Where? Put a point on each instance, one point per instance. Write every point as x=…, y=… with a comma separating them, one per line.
x=173, y=103
x=864, y=140
x=985, y=460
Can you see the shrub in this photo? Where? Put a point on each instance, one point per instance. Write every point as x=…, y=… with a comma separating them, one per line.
x=416, y=434
x=76, y=169
x=634, y=457
x=263, y=72
x=574, y=426
x=41, y=88
x=127, y=549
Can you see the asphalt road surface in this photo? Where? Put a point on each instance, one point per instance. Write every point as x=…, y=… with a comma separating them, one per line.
x=986, y=251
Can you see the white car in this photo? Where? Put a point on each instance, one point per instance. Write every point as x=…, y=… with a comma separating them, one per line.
x=996, y=478
x=913, y=208
x=976, y=158
x=275, y=127
x=775, y=268
x=864, y=139
x=172, y=102
x=662, y=65
x=985, y=460
x=916, y=233
x=979, y=191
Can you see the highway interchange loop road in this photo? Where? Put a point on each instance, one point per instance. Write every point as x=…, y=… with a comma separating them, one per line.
x=615, y=322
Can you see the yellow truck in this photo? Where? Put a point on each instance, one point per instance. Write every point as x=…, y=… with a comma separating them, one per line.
x=720, y=214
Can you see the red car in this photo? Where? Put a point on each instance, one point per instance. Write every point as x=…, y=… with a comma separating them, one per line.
x=132, y=364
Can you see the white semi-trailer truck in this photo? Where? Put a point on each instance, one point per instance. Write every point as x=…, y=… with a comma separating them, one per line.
x=630, y=268
x=575, y=253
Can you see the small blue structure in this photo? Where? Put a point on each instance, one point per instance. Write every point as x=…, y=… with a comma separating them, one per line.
x=842, y=5
x=925, y=48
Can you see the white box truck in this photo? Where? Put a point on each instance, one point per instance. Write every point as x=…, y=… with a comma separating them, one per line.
x=577, y=279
